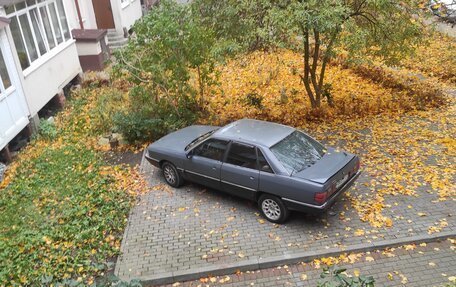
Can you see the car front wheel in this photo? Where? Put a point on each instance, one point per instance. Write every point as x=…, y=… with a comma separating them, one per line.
x=172, y=177
x=273, y=208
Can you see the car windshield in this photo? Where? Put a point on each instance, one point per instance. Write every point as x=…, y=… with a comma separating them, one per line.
x=199, y=139
x=298, y=151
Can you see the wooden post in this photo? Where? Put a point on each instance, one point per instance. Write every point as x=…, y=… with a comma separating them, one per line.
x=6, y=154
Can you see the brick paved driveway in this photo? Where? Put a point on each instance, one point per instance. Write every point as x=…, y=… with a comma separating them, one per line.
x=425, y=266
x=192, y=227
x=172, y=231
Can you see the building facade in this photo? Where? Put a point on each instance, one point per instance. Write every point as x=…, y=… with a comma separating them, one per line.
x=39, y=58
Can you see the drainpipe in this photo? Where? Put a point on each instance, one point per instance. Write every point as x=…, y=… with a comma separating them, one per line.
x=79, y=14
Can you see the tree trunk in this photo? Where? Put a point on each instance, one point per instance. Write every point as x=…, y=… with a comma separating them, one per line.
x=305, y=78
x=201, y=87
x=313, y=83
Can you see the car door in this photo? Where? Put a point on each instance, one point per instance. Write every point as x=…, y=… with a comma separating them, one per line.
x=205, y=162
x=239, y=175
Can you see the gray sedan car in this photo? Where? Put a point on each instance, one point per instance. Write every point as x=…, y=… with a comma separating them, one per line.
x=277, y=166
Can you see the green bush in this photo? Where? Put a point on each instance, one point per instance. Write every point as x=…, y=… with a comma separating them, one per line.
x=150, y=116
x=109, y=102
x=336, y=277
x=47, y=130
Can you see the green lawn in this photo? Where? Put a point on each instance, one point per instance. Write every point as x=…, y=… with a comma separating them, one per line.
x=62, y=215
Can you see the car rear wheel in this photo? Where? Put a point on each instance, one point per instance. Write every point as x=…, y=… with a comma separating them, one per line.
x=273, y=208
x=171, y=175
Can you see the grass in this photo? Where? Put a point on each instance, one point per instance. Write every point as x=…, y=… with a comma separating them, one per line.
x=62, y=209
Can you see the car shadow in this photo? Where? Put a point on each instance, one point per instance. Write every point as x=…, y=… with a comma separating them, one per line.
x=250, y=208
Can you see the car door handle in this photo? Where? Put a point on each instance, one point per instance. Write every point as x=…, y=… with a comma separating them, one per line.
x=252, y=178
x=214, y=168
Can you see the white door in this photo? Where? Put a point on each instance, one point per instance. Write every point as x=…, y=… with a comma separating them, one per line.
x=13, y=107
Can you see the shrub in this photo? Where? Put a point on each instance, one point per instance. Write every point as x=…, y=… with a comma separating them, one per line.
x=151, y=115
x=108, y=103
x=47, y=129
x=336, y=277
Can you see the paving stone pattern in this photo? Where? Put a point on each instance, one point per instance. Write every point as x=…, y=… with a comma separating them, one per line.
x=427, y=266
x=192, y=227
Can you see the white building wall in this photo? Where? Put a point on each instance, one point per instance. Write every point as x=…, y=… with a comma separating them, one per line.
x=13, y=107
x=129, y=13
x=87, y=14
x=124, y=14
x=43, y=80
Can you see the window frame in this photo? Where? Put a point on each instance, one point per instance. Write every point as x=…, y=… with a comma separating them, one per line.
x=3, y=88
x=194, y=149
x=244, y=144
x=27, y=11
x=258, y=150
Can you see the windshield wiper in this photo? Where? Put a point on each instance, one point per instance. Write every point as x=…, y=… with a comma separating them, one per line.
x=198, y=138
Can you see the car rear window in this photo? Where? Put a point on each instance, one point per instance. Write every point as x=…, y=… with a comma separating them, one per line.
x=298, y=151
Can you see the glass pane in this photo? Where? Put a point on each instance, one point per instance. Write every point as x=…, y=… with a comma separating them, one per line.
x=9, y=9
x=264, y=165
x=30, y=3
x=298, y=151
x=28, y=37
x=47, y=27
x=55, y=23
x=19, y=42
x=4, y=73
x=242, y=155
x=63, y=20
x=212, y=148
x=38, y=29
x=20, y=6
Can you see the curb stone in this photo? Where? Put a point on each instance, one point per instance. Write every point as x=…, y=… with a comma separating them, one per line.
x=269, y=262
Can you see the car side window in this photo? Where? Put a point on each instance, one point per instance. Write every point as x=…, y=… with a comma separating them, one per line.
x=242, y=155
x=263, y=163
x=212, y=148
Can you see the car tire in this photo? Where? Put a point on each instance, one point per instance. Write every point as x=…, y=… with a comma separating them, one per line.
x=171, y=175
x=273, y=208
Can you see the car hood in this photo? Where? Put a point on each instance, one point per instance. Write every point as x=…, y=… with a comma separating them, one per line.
x=178, y=140
x=326, y=167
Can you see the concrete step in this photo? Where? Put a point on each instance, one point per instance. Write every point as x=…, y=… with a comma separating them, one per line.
x=118, y=42
x=115, y=40
x=117, y=45
x=116, y=37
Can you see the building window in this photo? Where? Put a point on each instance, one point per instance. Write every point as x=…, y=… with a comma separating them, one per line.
x=37, y=26
x=5, y=82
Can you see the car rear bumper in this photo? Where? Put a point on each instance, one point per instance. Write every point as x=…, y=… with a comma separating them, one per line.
x=312, y=208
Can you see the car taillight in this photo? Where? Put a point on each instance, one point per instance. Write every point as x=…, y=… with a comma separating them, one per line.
x=320, y=197
x=358, y=165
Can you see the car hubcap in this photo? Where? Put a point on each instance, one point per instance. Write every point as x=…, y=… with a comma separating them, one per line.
x=170, y=176
x=271, y=209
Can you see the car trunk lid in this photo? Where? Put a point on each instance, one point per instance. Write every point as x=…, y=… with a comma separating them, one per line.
x=332, y=163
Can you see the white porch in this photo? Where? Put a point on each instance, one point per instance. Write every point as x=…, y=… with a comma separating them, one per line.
x=39, y=59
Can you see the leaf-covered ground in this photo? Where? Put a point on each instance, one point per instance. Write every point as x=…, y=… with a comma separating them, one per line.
x=62, y=209
x=401, y=123
x=267, y=85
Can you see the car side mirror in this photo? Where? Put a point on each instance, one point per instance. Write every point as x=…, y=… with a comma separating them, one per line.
x=189, y=154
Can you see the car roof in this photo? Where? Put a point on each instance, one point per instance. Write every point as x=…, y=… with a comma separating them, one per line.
x=254, y=132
